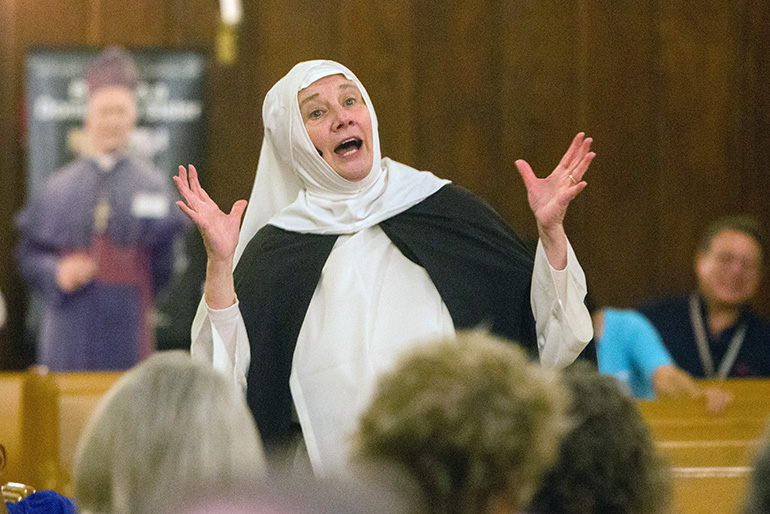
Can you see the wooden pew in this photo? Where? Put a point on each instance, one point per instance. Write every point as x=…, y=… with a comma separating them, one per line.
x=711, y=455
x=11, y=388
x=43, y=416
x=79, y=393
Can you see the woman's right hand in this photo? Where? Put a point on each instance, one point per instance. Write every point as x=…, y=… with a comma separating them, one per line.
x=219, y=230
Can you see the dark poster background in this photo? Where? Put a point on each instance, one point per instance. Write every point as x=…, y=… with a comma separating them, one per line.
x=170, y=103
x=170, y=131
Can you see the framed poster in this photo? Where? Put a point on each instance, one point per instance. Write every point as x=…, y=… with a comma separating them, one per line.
x=170, y=108
x=170, y=131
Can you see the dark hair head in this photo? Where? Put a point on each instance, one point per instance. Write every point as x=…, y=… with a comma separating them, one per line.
x=607, y=463
x=743, y=224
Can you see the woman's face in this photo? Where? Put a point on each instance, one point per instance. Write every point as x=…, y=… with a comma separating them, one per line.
x=339, y=125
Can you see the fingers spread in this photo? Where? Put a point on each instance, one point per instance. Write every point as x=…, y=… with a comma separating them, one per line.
x=573, y=149
x=525, y=170
x=582, y=166
x=572, y=192
x=185, y=209
x=195, y=184
x=238, y=208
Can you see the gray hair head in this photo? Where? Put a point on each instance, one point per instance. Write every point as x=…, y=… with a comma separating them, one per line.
x=168, y=422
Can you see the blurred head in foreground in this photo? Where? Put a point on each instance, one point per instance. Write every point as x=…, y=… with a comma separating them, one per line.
x=471, y=421
x=293, y=494
x=168, y=422
x=607, y=463
x=758, y=496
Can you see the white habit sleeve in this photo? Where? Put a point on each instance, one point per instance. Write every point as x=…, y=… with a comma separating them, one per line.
x=562, y=322
x=219, y=338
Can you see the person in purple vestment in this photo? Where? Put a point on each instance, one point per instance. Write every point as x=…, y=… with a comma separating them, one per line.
x=97, y=243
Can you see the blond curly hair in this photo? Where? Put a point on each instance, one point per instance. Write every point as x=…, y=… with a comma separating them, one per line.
x=470, y=419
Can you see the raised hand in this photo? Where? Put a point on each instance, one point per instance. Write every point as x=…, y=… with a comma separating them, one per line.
x=220, y=235
x=219, y=230
x=549, y=197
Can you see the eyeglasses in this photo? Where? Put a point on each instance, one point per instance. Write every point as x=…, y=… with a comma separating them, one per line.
x=728, y=259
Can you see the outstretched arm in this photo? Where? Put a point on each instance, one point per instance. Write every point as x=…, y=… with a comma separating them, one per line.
x=549, y=197
x=671, y=380
x=220, y=236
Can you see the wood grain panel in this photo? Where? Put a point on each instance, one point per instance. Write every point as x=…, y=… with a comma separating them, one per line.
x=458, y=101
x=64, y=22
x=618, y=108
x=377, y=44
x=753, y=141
x=135, y=23
x=11, y=194
x=540, y=97
x=697, y=179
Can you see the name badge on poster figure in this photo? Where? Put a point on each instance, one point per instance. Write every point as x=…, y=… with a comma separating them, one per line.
x=147, y=205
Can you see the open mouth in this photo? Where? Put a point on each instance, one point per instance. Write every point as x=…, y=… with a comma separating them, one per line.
x=348, y=146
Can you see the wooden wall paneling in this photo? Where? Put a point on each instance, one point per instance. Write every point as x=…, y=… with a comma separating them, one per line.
x=136, y=23
x=192, y=23
x=377, y=44
x=275, y=35
x=234, y=116
x=431, y=45
x=52, y=22
x=298, y=30
x=459, y=104
x=753, y=136
x=697, y=180
x=9, y=158
x=620, y=98
x=540, y=94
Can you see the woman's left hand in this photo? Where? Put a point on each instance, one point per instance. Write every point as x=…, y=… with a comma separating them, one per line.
x=549, y=197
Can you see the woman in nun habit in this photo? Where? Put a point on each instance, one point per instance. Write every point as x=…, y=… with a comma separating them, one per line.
x=346, y=259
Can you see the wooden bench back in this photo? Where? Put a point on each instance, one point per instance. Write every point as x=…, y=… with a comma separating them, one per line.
x=11, y=390
x=43, y=416
x=712, y=455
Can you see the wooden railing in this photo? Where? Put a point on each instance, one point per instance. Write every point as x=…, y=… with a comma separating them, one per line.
x=712, y=455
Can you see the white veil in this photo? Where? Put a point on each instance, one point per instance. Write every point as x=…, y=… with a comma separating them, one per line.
x=295, y=189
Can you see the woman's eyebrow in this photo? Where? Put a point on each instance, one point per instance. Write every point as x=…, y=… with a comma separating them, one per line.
x=306, y=100
x=342, y=86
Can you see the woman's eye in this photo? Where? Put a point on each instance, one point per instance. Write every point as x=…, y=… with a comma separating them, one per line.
x=316, y=113
x=350, y=101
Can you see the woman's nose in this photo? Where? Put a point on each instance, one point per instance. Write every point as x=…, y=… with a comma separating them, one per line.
x=342, y=117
